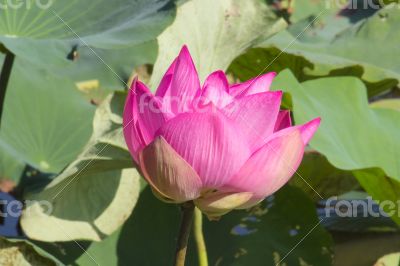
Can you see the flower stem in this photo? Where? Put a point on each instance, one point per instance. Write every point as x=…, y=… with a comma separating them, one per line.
x=199, y=237
x=184, y=232
x=4, y=78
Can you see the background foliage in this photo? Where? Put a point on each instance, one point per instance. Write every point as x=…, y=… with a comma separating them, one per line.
x=61, y=131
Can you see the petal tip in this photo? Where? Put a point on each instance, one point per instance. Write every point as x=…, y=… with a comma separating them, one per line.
x=308, y=130
x=185, y=47
x=133, y=84
x=185, y=56
x=315, y=122
x=185, y=53
x=220, y=72
x=138, y=86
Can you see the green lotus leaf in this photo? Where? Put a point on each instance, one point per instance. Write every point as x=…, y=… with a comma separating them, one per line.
x=215, y=39
x=55, y=106
x=320, y=179
x=46, y=121
x=51, y=29
x=11, y=166
x=332, y=45
x=353, y=136
x=95, y=194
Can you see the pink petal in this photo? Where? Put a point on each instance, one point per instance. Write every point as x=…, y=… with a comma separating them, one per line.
x=142, y=118
x=168, y=173
x=179, y=93
x=215, y=90
x=256, y=115
x=133, y=137
x=165, y=83
x=283, y=121
x=253, y=86
x=307, y=130
x=209, y=142
x=218, y=204
x=271, y=166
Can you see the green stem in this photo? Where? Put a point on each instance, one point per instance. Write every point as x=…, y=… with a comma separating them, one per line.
x=184, y=232
x=4, y=78
x=199, y=237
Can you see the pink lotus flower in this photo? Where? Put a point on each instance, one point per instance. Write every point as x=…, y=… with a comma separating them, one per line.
x=224, y=147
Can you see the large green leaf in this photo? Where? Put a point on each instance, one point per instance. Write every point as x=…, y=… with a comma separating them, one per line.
x=352, y=135
x=53, y=111
x=216, y=32
x=318, y=178
x=260, y=237
x=93, y=196
x=45, y=123
x=381, y=188
x=11, y=166
x=32, y=29
x=333, y=45
x=350, y=47
x=115, y=71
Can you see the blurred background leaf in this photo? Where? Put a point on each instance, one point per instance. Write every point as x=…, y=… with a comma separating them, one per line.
x=230, y=26
x=332, y=42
